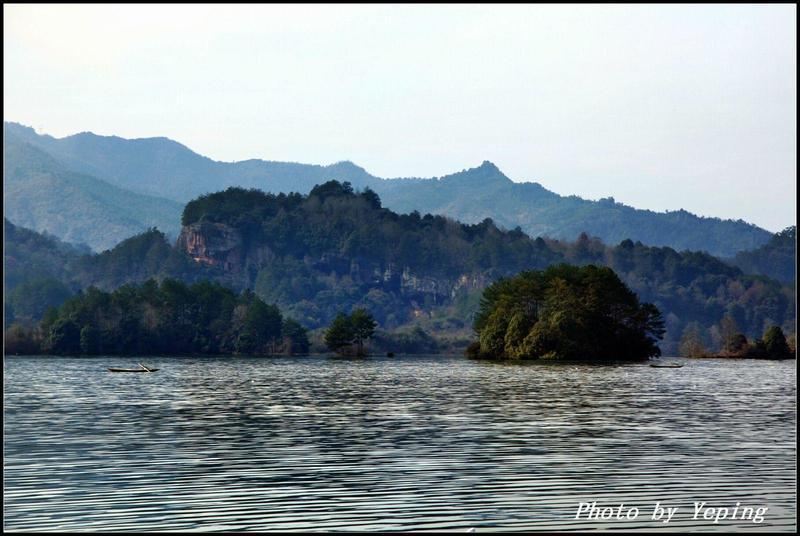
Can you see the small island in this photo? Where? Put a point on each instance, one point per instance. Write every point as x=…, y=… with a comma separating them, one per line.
x=565, y=312
x=773, y=345
x=347, y=333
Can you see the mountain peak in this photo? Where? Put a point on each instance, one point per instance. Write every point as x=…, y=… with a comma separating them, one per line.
x=349, y=165
x=485, y=174
x=19, y=130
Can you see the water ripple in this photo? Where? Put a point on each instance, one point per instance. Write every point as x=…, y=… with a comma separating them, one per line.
x=424, y=443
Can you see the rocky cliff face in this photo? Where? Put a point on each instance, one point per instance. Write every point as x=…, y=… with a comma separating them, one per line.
x=217, y=244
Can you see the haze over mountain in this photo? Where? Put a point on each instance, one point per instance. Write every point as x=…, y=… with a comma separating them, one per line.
x=41, y=193
x=165, y=168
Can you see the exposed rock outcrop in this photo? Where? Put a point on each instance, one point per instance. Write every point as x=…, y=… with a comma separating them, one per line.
x=217, y=244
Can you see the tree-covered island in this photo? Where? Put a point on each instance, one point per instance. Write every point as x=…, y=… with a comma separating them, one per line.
x=347, y=333
x=565, y=312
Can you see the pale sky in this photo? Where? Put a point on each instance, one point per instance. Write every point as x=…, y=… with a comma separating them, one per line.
x=661, y=107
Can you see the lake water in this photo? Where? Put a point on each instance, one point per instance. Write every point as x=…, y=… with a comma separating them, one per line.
x=411, y=443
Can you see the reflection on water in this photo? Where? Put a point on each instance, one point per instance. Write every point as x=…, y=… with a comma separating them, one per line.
x=391, y=443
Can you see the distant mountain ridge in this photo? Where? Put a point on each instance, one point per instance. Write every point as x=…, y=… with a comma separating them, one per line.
x=168, y=169
x=42, y=194
x=776, y=259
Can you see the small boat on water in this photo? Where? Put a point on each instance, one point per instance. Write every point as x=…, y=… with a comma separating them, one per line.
x=142, y=369
x=675, y=365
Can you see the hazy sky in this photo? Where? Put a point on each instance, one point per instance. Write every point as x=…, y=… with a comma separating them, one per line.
x=660, y=107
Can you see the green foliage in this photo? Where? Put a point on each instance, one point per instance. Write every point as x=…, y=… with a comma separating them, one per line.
x=566, y=312
x=331, y=189
x=406, y=341
x=295, y=337
x=776, y=259
x=63, y=337
x=731, y=336
x=695, y=287
x=340, y=333
x=41, y=271
x=136, y=259
x=336, y=225
x=363, y=326
x=262, y=328
x=338, y=250
x=29, y=300
x=170, y=318
x=232, y=207
x=772, y=346
x=36, y=271
x=775, y=344
x=90, y=340
x=335, y=249
x=347, y=330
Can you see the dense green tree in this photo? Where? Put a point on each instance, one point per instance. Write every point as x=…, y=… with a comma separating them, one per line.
x=295, y=337
x=63, y=337
x=90, y=342
x=340, y=334
x=348, y=330
x=262, y=328
x=363, y=326
x=30, y=299
x=566, y=312
x=775, y=344
x=406, y=341
x=371, y=197
x=166, y=318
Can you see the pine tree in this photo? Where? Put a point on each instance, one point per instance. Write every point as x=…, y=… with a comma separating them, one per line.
x=363, y=326
x=775, y=342
x=340, y=333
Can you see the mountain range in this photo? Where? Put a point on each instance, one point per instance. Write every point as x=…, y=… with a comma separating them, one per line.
x=102, y=189
x=42, y=193
x=336, y=249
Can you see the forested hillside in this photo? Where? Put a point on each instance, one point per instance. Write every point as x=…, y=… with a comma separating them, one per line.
x=36, y=272
x=776, y=259
x=41, y=271
x=481, y=192
x=337, y=249
x=43, y=194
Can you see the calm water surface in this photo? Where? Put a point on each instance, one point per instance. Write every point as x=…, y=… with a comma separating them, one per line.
x=421, y=443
